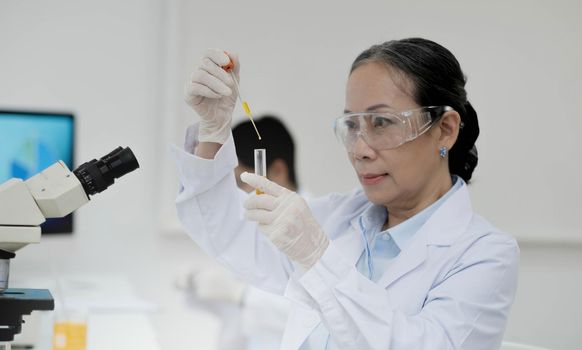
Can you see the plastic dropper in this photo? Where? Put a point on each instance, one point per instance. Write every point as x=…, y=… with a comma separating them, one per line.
x=230, y=69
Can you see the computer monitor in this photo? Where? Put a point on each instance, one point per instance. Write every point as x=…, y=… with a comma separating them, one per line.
x=32, y=141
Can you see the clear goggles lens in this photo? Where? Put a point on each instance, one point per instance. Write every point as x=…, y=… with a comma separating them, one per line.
x=386, y=130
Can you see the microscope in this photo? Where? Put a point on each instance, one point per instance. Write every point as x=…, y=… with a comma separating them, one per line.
x=24, y=205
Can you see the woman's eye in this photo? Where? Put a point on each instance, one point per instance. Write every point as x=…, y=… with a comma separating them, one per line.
x=380, y=122
x=350, y=125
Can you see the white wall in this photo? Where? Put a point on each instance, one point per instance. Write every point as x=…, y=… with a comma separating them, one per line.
x=547, y=309
x=120, y=66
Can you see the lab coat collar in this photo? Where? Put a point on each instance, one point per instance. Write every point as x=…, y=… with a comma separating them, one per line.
x=450, y=220
x=442, y=229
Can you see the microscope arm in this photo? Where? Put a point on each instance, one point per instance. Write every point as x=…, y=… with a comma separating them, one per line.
x=19, y=216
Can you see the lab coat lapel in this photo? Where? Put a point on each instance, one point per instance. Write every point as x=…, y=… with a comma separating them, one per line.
x=408, y=260
x=350, y=244
x=448, y=222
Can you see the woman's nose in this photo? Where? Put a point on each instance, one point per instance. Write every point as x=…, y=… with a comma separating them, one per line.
x=362, y=150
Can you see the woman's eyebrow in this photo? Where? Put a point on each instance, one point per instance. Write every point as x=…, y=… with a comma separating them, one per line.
x=372, y=108
x=378, y=106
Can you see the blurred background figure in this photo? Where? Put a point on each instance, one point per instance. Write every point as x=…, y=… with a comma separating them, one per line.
x=251, y=318
x=280, y=147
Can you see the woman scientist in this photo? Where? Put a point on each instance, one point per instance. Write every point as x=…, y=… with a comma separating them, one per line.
x=404, y=262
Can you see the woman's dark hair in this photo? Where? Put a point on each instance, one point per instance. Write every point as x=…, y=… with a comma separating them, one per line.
x=437, y=80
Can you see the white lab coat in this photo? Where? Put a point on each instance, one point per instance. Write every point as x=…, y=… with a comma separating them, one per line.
x=451, y=288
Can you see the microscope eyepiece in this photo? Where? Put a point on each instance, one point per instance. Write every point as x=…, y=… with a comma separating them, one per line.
x=96, y=175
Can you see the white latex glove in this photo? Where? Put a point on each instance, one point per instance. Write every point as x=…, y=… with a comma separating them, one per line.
x=285, y=218
x=214, y=284
x=211, y=93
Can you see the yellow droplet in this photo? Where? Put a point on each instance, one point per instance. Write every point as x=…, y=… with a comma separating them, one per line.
x=247, y=108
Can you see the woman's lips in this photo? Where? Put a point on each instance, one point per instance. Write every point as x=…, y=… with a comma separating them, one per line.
x=372, y=179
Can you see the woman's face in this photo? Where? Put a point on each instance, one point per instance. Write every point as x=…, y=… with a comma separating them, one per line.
x=399, y=176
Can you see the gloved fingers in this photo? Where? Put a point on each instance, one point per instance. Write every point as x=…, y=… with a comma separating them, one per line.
x=202, y=77
x=262, y=201
x=222, y=58
x=217, y=56
x=216, y=71
x=263, y=184
x=261, y=216
x=234, y=58
x=194, y=93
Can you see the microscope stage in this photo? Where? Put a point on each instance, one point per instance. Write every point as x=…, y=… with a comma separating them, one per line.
x=15, y=303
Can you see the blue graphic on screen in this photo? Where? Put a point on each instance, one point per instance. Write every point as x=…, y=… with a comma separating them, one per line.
x=29, y=143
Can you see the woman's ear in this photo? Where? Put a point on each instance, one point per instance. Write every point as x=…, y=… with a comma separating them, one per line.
x=449, y=126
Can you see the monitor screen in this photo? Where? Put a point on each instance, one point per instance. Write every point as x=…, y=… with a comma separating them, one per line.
x=32, y=141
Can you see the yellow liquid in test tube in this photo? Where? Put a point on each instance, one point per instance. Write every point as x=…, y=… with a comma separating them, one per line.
x=70, y=335
x=260, y=165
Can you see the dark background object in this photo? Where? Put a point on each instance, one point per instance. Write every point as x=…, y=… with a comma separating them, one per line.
x=30, y=141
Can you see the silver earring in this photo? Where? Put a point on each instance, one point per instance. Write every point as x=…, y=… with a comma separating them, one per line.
x=443, y=151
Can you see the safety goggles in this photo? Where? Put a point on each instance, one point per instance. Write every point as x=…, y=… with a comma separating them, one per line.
x=383, y=130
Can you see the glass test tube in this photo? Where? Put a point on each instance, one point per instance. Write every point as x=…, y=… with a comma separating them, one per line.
x=70, y=331
x=260, y=164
